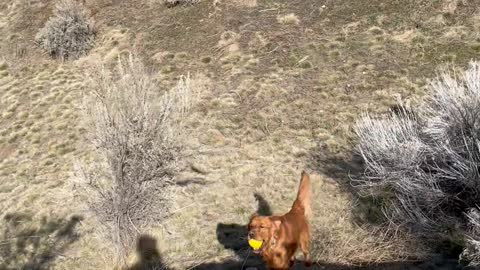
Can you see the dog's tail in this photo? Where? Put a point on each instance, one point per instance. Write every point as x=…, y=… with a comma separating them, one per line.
x=302, y=203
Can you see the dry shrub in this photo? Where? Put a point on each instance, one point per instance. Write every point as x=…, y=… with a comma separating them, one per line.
x=172, y=3
x=288, y=19
x=70, y=33
x=134, y=129
x=471, y=254
x=425, y=166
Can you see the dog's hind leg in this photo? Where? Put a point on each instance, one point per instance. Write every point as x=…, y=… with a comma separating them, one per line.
x=304, y=246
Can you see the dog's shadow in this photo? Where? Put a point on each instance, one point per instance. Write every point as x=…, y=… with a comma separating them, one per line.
x=234, y=236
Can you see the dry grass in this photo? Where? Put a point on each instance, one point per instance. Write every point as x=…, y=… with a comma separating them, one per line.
x=288, y=19
x=271, y=96
x=242, y=3
x=42, y=157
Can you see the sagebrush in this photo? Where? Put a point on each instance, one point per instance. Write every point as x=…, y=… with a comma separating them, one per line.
x=133, y=126
x=471, y=254
x=425, y=165
x=69, y=33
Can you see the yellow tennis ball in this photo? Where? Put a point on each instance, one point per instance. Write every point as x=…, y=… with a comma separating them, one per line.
x=255, y=244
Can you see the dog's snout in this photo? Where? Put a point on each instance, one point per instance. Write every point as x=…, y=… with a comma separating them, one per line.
x=251, y=234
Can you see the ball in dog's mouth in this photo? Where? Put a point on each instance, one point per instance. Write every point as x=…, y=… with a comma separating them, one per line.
x=256, y=245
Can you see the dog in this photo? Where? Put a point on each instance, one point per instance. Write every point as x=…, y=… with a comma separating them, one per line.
x=282, y=236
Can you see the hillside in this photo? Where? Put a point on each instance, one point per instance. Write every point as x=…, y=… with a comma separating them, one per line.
x=280, y=84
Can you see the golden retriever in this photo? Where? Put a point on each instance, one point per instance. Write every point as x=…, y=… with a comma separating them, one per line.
x=281, y=236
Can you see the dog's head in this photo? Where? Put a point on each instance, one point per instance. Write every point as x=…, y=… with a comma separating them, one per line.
x=263, y=229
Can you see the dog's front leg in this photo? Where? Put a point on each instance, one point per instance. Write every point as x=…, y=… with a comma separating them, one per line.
x=281, y=261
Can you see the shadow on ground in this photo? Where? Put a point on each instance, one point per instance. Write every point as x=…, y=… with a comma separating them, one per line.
x=340, y=168
x=151, y=259
x=347, y=166
x=430, y=265
x=345, y=170
x=27, y=245
x=148, y=254
x=233, y=236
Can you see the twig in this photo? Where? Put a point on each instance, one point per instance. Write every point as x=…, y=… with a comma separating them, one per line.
x=274, y=49
x=269, y=9
x=135, y=227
